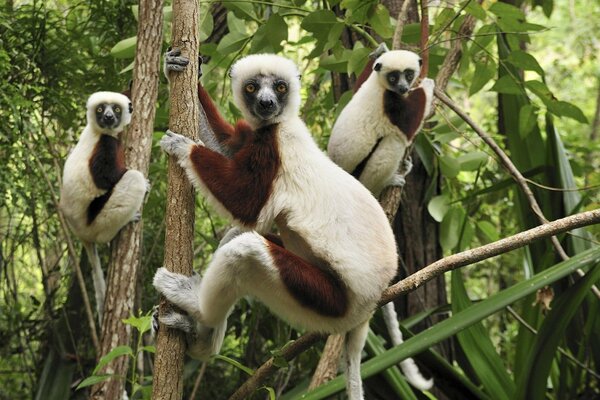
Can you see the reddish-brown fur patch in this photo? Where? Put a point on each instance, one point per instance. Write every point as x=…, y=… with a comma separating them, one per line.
x=319, y=289
x=107, y=166
x=364, y=75
x=405, y=112
x=243, y=183
x=227, y=135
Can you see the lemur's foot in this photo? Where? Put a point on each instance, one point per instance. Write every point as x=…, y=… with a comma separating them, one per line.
x=177, y=145
x=398, y=180
x=148, y=186
x=382, y=48
x=174, y=61
x=180, y=290
x=407, y=166
x=136, y=217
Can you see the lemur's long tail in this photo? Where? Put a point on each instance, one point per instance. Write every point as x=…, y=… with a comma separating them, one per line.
x=97, y=277
x=409, y=368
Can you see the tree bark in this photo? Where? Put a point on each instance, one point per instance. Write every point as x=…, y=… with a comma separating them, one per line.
x=179, y=232
x=328, y=364
x=126, y=247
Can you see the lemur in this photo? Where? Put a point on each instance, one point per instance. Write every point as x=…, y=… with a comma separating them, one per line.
x=371, y=135
x=337, y=253
x=99, y=195
x=375, y=128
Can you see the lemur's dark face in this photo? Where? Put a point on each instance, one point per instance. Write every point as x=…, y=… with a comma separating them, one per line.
x=398, y=81
x=265, y=96
x=108, y=116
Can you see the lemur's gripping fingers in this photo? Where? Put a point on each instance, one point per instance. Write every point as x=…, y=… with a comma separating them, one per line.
x=174, y=61
x=179, y=289
x=407, y=166
x=177, y=145
x=136, y=217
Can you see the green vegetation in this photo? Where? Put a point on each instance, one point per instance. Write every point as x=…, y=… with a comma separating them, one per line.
x=529, y=76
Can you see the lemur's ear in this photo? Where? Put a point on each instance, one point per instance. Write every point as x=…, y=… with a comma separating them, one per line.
x=130, y=108
x=229, y=73
x=377, y=67
x=420, y=62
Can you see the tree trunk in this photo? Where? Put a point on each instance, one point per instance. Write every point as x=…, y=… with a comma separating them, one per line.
x=179, y=233
x=126, y=247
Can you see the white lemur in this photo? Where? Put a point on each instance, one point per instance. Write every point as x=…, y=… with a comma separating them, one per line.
x=337, y=251
x=371, y=135
x=99, y=195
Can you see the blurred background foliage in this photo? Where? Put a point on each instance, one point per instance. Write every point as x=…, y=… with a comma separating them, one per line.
x=530, y=76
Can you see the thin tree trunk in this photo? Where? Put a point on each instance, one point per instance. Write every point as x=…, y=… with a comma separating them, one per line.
x=126, y=248
x=179, y=233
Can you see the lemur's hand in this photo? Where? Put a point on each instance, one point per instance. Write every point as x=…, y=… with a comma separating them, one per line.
x=177, y=145
x=174, y=61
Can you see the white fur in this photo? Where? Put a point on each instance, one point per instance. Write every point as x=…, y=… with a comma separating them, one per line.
x=358, y=128
x=322, y=214
x=78, y=190
x=363, y=122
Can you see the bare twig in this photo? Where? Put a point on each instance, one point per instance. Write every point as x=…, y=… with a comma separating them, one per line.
x=489, y=250
x=402, y=16
x=288, y=353
x=513, y=171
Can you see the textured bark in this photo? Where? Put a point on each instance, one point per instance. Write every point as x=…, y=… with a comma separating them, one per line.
x=126, y=247
x=328, y=364
x=179, y=232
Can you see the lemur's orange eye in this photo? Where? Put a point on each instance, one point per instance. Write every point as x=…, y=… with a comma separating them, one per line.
x=99, y=109
x=281, y=88
x=250, y=88
x=118, y=109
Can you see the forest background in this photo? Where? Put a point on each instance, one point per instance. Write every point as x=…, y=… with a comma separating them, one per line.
x=527, y=73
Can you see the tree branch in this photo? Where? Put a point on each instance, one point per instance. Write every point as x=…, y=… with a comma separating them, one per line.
x=513, y=171
x=426, y=274
x=179, y=230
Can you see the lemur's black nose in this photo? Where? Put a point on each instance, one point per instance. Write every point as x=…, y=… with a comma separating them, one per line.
x=266, y=104
x=108, y=117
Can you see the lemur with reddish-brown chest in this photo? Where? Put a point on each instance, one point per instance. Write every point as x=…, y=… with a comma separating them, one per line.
x=338, y=251
x=371, y=134
x=99, y=195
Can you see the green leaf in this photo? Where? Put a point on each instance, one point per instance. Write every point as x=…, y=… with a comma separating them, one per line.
x=450, y=228
x=450, y=166
x=393, y=376
x=540, y=90
x=488, y=230
x=438, y=207
x=532, y=381
x=242, y=9
x=277, y=31
x=336, y=64
x=319, y=22
x=507, y=85
x=475, y=9
x=271, y=391
x=92, y=380
x=505, y=10
x=125, y=48
x=472, y=161
x=142, y=323
x=527, y=120
x=484, y=71
x=565, y=109
x=525, y=61
x=460, y=321
x=235, y=363
x=114, y=353
x=381, y=22
x=149, y=349
x=232, y=42
x=478, y=348
x=358, y=59
x=207, y=25
x=483, y=37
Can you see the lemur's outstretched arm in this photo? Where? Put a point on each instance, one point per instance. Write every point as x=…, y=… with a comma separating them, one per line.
x=228, y=137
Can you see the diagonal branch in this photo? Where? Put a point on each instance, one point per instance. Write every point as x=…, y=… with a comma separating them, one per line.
x=426, y=274
x=513, y=171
